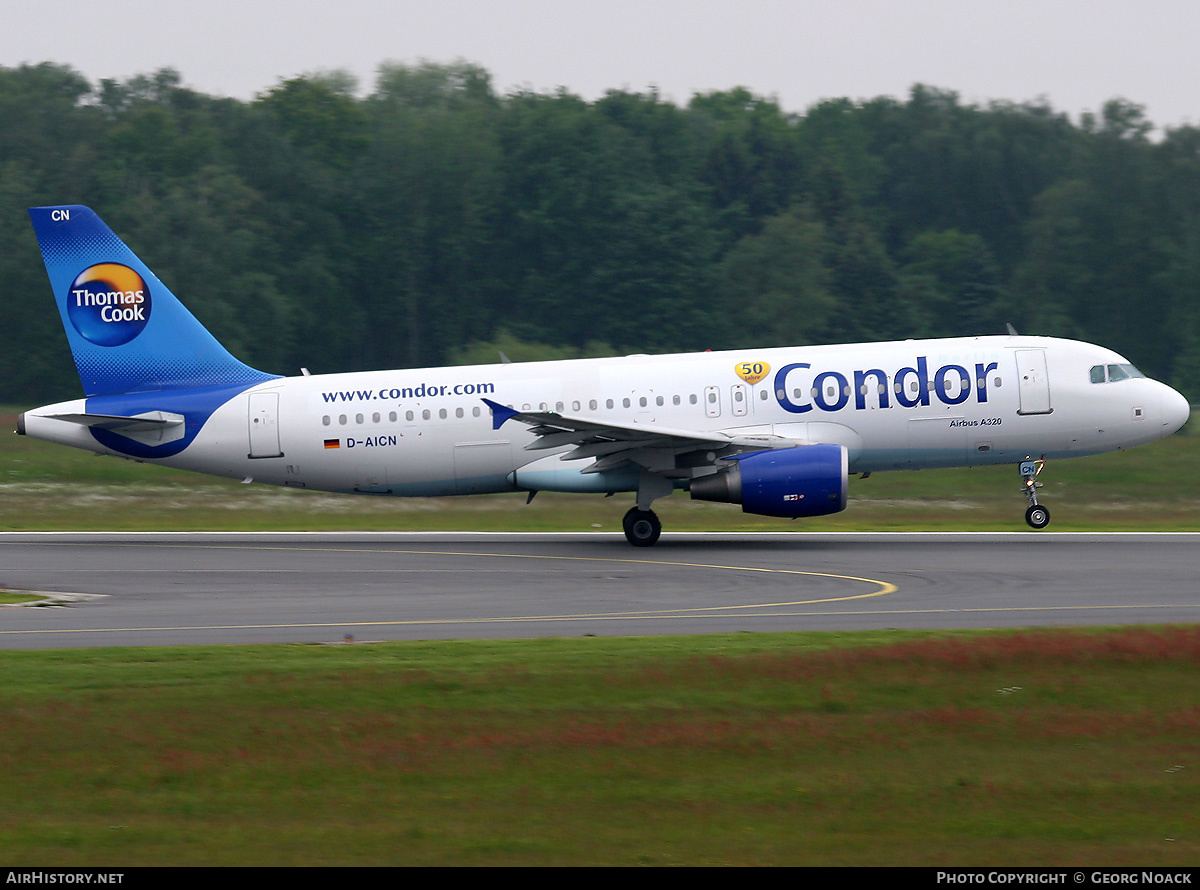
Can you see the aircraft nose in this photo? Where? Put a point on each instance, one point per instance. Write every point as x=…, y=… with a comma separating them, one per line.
x=1175, y=410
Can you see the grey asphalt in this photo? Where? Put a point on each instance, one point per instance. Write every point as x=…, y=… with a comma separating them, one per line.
x=157, y=589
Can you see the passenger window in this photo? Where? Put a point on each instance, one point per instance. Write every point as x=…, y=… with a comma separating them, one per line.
x=325, y=420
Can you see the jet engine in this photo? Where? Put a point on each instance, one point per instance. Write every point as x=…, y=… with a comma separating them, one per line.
x=807, y=480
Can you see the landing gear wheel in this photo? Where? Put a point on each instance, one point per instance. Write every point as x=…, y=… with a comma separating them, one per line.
x=1037, y=516
x=642, y=527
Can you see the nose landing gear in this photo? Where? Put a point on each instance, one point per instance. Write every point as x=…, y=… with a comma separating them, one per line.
x=1037, y=516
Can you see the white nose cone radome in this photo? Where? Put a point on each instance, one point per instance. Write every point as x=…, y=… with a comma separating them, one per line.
x=1174, y=410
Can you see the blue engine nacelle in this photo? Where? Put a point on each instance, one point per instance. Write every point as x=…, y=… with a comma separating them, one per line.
x=807, y=480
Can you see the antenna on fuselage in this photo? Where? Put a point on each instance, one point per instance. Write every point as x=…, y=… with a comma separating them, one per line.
x=1012, y=332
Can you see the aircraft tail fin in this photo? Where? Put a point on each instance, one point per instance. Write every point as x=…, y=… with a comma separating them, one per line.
x=127, y=331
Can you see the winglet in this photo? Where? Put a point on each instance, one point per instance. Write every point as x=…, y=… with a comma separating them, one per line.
x=500, y=413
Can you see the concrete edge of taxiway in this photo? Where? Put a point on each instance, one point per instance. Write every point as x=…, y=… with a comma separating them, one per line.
x=667, y=537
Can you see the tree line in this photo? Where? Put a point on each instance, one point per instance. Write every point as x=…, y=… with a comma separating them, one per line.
x=434, y=220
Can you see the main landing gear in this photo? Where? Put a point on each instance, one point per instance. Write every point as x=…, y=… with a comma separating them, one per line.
x=1037, y=516
x=642, y=527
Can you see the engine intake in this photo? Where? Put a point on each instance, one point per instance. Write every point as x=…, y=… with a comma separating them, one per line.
x=807, y=480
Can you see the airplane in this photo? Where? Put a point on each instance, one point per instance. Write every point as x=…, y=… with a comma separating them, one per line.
x=778, y=431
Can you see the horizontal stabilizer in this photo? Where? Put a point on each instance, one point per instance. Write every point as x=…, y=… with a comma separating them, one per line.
x=141, y=423
x=150, y=428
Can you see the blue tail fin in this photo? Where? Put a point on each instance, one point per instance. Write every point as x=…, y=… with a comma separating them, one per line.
x=127, y=331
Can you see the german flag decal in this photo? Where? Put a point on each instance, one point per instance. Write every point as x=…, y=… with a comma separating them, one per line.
x=333, y=443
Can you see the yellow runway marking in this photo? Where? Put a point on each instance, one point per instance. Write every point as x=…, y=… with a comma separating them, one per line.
x=882, y=588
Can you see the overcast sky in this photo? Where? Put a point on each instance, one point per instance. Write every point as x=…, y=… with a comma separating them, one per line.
x=1077, y=54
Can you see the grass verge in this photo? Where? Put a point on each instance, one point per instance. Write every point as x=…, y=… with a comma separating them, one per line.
x=1054, y=747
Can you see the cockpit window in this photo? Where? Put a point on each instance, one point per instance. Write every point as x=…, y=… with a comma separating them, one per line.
x=1113, y=373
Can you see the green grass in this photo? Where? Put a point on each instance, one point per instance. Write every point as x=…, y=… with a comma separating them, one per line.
x=51, y=487
x=10, y=599
x=1027, y=748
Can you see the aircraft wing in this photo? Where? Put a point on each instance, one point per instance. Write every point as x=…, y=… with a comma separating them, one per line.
x=613, y=445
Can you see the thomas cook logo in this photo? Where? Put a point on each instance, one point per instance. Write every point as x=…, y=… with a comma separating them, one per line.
x=109, y=304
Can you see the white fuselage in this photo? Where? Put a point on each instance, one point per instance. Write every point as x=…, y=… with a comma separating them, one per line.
x=899, y=405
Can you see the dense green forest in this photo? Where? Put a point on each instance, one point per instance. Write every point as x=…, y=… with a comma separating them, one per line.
x=434, y=220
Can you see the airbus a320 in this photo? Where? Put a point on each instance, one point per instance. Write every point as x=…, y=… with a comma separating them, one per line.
x=778, y=431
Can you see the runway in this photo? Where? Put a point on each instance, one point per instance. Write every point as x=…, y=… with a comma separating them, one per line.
x=126, y=589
